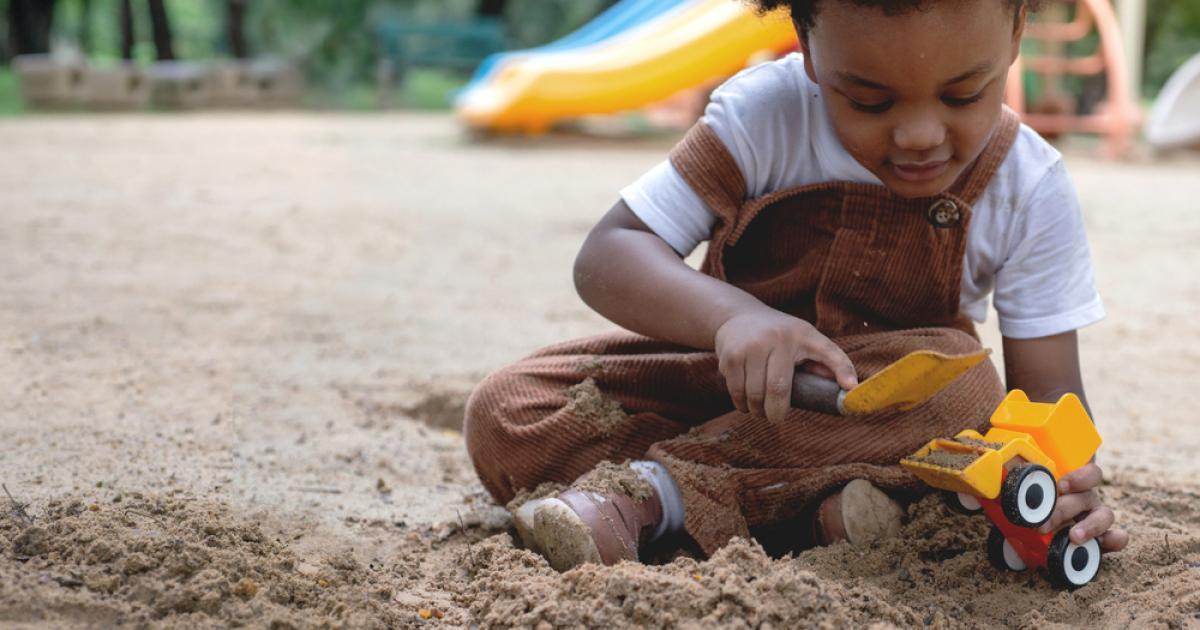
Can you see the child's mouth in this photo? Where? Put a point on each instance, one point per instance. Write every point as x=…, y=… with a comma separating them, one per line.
x=920, y=172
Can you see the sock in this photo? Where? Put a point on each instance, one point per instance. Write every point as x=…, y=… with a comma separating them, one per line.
x=668, y=494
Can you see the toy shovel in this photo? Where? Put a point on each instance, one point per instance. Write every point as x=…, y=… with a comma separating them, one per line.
x=905, y=384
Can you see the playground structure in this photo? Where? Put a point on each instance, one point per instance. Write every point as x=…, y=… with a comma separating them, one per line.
x=1011, y=474
x=642, y=52
x=1117, y=117
x=1175, y=119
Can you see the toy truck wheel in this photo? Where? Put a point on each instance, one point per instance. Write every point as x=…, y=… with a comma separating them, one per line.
x=1029, y=495
x=1001, y=554
x=961, y=502
x=1071, y=565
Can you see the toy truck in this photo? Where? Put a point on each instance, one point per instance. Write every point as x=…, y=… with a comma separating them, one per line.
x=1011, y=475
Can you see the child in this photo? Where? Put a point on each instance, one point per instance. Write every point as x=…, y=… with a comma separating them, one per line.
x=860, y=201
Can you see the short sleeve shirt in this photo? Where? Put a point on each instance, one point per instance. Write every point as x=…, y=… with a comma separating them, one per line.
x=1026, y=243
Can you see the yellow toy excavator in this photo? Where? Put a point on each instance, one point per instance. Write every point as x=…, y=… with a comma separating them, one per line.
x=1011, y=475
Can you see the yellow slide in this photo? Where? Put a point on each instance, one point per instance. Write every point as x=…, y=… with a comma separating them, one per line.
x=702, y=41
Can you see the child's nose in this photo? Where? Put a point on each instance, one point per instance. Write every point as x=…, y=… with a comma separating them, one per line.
x=919, y=133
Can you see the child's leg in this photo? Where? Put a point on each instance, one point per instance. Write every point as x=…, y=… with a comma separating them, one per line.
x=540, y=419
x=738, y=471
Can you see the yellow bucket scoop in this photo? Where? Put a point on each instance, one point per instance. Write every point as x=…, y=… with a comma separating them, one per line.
x=903, y=385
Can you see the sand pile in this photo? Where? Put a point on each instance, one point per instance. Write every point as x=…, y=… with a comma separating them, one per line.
x=192, y=563
x=936, y=573
x=189, y=563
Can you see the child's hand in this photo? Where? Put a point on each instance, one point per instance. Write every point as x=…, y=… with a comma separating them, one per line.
x=1081, y=501
x=758, y=352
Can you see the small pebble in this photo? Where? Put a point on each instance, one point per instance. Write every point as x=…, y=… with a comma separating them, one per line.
x=424, y=613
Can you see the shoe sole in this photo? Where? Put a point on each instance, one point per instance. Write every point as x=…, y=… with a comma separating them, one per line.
x=551, y=528
x=868, y=514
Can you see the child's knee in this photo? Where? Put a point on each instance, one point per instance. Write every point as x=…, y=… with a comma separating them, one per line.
x=956, y=341
x=482, y=431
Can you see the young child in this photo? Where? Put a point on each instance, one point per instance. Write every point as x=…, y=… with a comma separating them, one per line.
x=860, y=201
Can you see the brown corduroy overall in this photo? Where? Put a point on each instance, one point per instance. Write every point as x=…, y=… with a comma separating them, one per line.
x=878, y=274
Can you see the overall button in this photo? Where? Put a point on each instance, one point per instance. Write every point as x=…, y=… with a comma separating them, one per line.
x=943, y=214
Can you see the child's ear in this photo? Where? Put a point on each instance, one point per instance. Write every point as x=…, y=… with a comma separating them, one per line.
x=1018, y=31
x=808, y=64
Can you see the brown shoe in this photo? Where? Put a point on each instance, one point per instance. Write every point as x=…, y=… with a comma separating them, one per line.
x=579, y=526
x=860, y=514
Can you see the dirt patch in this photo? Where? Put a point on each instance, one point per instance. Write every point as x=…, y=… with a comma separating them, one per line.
x=543, y=490
x=437, y=407
x=738, y=587
x=947, y=459
x=192, y=563
x=934, y=574
x=979, y=443
x=440, y=410
x=178, y=562
x=600, y=411
x=610, y=478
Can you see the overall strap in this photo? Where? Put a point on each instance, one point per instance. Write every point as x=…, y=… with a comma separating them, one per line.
x=975, y=180
x=704, y=162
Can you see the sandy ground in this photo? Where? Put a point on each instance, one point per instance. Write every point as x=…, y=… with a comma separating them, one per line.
x=234, y=351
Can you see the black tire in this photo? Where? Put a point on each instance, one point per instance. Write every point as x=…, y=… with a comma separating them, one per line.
x=1000, y=557
x=1029, y=495
x=1072, y=566
x=954, y=501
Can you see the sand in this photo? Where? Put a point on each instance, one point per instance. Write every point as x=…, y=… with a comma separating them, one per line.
x=947, y=459
x=246, y=340
x=593, y=407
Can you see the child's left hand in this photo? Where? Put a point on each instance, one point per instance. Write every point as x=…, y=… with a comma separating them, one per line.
x=1080, y=501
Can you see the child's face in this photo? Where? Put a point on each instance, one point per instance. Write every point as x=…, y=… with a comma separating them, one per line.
x=913, y=97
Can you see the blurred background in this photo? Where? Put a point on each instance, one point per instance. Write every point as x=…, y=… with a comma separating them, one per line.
x=421, y=54
x=337, y=45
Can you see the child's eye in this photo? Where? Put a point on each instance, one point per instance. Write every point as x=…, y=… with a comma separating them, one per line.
x=874, y=108
x=962, y=102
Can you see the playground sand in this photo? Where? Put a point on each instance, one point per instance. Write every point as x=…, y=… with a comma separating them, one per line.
x=236, y=350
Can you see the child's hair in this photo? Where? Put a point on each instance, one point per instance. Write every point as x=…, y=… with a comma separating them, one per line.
x=804, y=11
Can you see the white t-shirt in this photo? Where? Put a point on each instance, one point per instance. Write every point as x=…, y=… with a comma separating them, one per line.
x=1025, y=242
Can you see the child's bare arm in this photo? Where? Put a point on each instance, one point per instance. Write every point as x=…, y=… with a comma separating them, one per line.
x=1046, y=368
x=631, y=276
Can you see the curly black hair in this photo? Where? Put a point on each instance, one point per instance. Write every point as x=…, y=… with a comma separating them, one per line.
x=804, y=12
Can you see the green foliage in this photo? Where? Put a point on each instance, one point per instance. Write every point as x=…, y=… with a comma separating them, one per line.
x=10, y=99
x=428, y=88
x=1172, y=37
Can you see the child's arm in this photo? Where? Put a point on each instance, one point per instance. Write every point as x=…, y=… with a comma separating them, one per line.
x=1045, y=368
x=628, y=274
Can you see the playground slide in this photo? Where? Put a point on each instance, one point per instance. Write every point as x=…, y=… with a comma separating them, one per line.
x=616, y=19
x=705, y=40
x=1175, y=119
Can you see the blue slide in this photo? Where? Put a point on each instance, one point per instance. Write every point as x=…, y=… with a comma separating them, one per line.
x=615, y=20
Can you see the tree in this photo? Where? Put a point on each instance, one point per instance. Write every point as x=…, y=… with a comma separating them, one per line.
x=29, y=23
x=236, y=22
x=161, y=30
x=85, y=26
x=127, y=35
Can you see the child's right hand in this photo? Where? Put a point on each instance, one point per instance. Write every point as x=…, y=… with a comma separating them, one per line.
x=759, y=351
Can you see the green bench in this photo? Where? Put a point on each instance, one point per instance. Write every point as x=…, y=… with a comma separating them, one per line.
x=457, y=45
x=450, y=45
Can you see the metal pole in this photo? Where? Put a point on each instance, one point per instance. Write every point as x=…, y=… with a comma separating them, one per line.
x=1132, y=16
